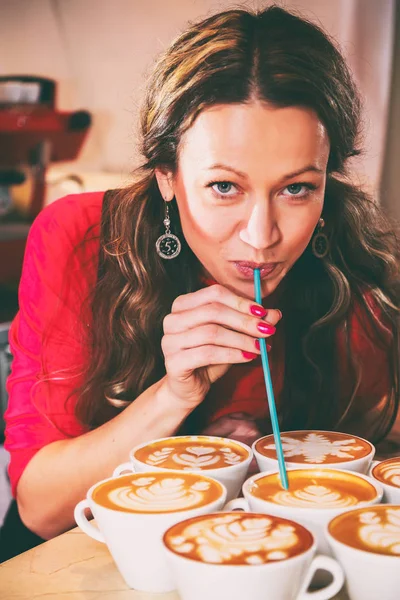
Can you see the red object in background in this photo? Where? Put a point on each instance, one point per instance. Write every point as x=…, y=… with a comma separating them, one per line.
x=33, y=134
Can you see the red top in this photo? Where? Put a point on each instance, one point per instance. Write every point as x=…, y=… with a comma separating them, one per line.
x=56, y=278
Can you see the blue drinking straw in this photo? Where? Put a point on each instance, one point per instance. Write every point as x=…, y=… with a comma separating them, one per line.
x=270, y=391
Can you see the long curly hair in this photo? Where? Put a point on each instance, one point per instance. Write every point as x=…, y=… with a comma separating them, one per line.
x=235, y=57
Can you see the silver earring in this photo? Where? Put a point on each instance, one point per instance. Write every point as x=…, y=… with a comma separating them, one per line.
x=168, y=245
x=320, y=242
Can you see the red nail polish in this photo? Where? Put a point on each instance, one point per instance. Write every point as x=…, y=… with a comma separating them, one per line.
x=249, y=355
x=258, y=311
x=266, y=328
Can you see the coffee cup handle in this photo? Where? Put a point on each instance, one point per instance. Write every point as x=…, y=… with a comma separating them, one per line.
x=83, y=522
x=326, y=564
x=235, y=504
x=126, y=466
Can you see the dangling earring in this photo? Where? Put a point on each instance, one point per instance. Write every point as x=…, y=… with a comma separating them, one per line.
x=320, y=242
x=168, y=245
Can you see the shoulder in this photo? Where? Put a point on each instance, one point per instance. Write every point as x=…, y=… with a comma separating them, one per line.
x=368, y=321
x=69, y=218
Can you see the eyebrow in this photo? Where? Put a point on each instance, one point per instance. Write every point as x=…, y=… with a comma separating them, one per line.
x=312, y=168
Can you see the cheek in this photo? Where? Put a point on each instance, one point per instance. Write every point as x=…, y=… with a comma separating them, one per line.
x=199, y=221
x=299, y=232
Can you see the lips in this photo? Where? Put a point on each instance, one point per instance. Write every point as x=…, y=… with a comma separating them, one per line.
x=246, y=268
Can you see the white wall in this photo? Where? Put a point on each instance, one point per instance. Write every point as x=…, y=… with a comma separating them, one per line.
x=100, y=50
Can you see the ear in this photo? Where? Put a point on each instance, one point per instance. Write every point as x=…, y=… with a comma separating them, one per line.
x=165, y=183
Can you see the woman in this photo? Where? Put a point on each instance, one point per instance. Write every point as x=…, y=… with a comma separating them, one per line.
x=126, y=333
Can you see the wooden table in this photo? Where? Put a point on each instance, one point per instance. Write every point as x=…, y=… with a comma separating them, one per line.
x=71, y=566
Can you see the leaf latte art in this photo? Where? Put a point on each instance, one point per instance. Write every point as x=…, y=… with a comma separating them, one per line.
x=388, y=472
x=157, y=492
x=314, y=495
x=314, y=488
x=188, y=453
x=158, y=495
x=379, y=532
x=374, y=529
x=235, y=538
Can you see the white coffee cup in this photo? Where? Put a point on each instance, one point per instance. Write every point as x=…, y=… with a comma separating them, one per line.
x=132, y=513
x=315, y=449
x=361, y=540
x=316, y=504
x=387, y=473
x=236, y=557
x=196, y=453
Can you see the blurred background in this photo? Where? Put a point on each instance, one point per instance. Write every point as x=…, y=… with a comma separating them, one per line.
x=72, y=76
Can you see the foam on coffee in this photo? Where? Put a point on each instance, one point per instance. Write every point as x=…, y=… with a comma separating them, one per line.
x=388, y=472
x=316, y=447
x=312, y=488
x=157, y=492
x=191, y=452
x=238, y=539
x=374, y=529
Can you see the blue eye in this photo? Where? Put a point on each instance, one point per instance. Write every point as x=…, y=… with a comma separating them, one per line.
x=295, y=189
x=223, y=187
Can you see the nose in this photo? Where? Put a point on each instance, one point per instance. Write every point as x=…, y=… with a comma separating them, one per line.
x=261, y=229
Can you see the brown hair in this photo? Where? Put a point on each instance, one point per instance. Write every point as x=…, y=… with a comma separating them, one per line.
x=235, y=57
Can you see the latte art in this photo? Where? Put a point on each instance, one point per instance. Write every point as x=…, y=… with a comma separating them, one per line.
x=374, y=529
x=312, y=488
x=188, y=453
x=157, y=492
x=235, y=538
x=317, y=495
x=388, y=472
x=313, y=447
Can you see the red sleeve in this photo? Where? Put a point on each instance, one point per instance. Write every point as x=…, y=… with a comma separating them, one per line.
x=371, y=354
x=47, y=336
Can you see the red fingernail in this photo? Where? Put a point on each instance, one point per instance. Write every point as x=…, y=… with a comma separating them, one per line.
x=258, y=311
x=266, y=328
x=249, y=355
x=257, y=345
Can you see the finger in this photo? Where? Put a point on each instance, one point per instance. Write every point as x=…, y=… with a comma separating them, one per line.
x=221, y=295
x=220, y=314
x=210, y=334
x=182, y=364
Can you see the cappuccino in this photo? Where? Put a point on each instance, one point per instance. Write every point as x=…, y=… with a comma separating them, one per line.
x=388, y=472
x=311, y=488
x=316, y=447
x=238, y=539
x=157, y=492
x=132, y=513
x=375, y=529
x=188, y=453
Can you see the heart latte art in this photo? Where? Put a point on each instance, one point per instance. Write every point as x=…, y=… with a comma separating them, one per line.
x=238, y=539
x=388, y=472
x=316, y=447
x=375, y=529
x=310, y=488
x=188, y=453
x=157, y=492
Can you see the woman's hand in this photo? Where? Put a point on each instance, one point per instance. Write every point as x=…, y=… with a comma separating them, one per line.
x=206, y=332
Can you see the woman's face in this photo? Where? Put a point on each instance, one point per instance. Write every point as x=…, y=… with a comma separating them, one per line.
x=250, y=189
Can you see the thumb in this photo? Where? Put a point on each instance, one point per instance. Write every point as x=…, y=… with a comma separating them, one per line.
x=214, y=372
